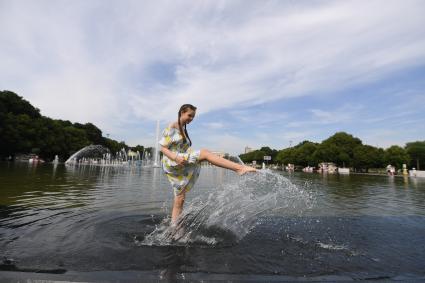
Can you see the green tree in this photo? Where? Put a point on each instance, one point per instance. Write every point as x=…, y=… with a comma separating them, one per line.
x=416, y=151
x=286, y=156
x=93, y=133
x=303, y=154
x=327, y=153
x=138, y=148
x=258, y=155
x=17, y=124
x=24, y=130
x=18, y=134
x=10, y=102
x=338, y=148
x=366, y=156
x=397, y=156
x=115, y=146
x=246, y=157
x=269, y=152
x=51, y=139
x=75, y=139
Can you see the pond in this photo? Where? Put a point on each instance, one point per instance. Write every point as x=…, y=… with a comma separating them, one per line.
x=59, y=219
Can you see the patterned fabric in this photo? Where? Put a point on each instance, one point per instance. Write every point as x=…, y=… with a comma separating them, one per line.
x=180, y=176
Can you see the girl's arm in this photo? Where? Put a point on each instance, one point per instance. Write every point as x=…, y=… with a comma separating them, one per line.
x=173, y=156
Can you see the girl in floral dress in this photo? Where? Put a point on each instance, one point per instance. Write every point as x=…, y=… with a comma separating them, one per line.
x=181, y=163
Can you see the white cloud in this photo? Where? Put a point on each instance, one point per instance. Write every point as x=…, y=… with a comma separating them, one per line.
x=258, y=117
x=214, y=125
x=383, y=137
x=224, y=142
x=91, y=61
x=343, y=114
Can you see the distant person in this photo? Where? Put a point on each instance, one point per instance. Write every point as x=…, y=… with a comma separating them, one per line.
x=181, y=163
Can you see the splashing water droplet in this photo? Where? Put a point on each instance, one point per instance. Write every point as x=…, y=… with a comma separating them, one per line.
x=229, y=213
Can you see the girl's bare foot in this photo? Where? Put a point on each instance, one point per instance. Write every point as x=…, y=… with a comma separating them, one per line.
x=245, y=169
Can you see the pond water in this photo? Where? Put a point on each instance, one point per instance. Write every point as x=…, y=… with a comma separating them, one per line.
x=61, y=218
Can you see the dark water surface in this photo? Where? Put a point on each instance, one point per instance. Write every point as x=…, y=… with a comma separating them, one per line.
x=59, y=219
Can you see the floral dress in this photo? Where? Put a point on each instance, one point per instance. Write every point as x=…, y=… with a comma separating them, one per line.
x=180, y=176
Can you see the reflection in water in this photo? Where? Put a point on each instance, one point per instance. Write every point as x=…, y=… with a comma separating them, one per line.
x=172, y=260
x=365, y=195
x=415, y=182
x=406, y=182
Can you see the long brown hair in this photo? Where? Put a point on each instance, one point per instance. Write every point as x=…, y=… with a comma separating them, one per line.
x=183, y=109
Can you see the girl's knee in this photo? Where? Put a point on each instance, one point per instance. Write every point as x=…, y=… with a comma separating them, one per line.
x=204, y=153
x=180, y=197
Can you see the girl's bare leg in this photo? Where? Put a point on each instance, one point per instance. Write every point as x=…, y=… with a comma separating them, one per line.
x=216, y=160
x=224, y=163
x=178, y=206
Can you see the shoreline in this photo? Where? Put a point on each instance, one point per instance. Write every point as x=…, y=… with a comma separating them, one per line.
x=353, y=173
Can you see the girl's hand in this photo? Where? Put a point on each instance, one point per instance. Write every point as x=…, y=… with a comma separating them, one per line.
x=180, y=160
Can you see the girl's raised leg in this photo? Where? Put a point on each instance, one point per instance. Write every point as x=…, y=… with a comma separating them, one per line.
x=224, y=163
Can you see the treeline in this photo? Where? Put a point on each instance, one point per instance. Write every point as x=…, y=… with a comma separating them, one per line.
x=344, y=150
x=24, y=130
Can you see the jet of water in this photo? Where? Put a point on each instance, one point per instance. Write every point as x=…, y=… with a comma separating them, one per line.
x=233, y=210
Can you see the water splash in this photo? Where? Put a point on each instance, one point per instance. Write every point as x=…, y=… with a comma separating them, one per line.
x=229, y=213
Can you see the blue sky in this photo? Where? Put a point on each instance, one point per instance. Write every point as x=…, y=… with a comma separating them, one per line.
x=260, y=72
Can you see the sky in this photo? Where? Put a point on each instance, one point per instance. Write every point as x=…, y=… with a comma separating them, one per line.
x=261, y=73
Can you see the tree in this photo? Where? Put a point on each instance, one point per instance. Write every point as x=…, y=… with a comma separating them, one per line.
x=75, y=139
x=247, y=157
x=115, y=146
x=139, y=148
x=366, y=156
x=258, y=155
x=18, y=134
x=304, y=154
x=269, y=152
x=327, y=153
x=51, y=139
x=416, y=151
x=338, y=149
x=23, y=130
x=397, y=156
x=93, y=133
x=286, y=156
x=10, y=102
x=18, y=125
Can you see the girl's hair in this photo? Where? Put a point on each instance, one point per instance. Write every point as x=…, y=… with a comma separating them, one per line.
x=183, y=109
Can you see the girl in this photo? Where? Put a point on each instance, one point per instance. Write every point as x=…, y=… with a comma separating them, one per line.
x=182, y=164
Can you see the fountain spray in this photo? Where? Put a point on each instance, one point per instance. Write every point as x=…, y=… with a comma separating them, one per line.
x=156, y=154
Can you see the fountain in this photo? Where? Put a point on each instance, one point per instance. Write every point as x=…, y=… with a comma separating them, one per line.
x=101, y=156
x=88, y=154
x=156, y=153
